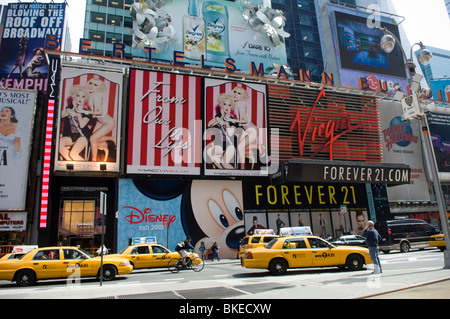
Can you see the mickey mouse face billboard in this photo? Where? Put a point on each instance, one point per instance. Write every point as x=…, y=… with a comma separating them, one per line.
x=171, y=210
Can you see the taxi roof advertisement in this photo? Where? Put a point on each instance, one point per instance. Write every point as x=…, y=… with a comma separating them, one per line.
x=217, y=29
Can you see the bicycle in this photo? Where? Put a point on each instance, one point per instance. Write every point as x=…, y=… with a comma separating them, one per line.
x=193, y=262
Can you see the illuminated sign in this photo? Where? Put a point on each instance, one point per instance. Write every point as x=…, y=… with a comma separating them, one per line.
x=342, y=172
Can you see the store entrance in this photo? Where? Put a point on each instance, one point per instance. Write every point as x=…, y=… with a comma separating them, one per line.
x=80, y=220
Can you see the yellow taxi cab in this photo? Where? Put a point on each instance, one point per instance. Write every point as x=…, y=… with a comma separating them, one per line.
x=261, y=238
x=437, y=241
x=304, y=251
x=60, y=262
x=147, y=255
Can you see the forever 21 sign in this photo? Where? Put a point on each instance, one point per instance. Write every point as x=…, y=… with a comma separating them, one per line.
x=345, y=172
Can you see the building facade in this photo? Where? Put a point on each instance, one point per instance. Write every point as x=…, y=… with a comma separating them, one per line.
x=180, y=150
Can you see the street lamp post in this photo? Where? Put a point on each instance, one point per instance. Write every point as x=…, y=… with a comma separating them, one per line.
x=387, y=43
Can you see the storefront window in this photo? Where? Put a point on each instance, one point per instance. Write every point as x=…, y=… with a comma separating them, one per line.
x=80, y=220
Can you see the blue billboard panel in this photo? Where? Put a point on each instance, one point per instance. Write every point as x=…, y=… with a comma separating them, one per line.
x=27, y=26
x=359, y=46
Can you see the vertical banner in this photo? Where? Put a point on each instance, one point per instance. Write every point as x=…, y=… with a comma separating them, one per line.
x=17, y=109
x=164, y=123
x=235, y=128
x=27, y=26
x=89, y=119
x=402, y=144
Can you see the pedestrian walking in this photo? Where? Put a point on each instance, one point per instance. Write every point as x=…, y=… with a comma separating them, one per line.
x=215, y=251
x=372, y=240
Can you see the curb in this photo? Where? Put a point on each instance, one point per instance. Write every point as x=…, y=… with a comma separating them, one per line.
x=405, y=288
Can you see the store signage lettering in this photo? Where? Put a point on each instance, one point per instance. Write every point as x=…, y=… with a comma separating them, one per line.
x=5, y=220
x=137, y=216
x=322, y=129
x=305, y=194
x=173, y=138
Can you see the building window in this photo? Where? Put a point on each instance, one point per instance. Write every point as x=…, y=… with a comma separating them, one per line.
x=96, y=36
x=305, y=19
x=303, y=4
x=307, y=36
x=115, y=4
x=97, y=17
x=99, y=2
x=114, y=20
x=113, y=38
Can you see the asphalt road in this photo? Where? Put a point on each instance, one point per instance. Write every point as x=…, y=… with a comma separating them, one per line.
x=228, y=280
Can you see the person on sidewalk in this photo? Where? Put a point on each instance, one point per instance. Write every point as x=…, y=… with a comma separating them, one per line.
x=372, y=240
x=215, y=251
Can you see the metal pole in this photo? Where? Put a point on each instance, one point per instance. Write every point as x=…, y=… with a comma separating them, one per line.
x=103, y=212
x=437, y=188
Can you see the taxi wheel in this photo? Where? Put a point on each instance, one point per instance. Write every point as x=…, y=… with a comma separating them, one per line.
x=278, y=266
x=25, y=278
x=109, y=272
x=355, y=262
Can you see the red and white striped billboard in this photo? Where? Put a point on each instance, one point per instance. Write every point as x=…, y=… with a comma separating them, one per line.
x=236, y=128
x=164, y=123
x=89, y=119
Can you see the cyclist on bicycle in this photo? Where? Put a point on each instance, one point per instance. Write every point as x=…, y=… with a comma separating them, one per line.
x=182, y=248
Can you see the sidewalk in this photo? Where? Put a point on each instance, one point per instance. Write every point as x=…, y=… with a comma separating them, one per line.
x=439, y=289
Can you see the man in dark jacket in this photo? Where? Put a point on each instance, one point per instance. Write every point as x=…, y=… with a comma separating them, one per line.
x=372, y=240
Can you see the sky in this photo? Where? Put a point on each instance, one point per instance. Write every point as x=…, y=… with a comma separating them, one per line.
x=425, y=20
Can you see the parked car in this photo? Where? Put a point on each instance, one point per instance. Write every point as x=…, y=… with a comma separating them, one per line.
x=349, y=240
x=284, y=253
x=60, y=262
x=405, y=234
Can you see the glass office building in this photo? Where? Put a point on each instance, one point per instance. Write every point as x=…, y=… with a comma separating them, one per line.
x=303, y=46
x=108, y=22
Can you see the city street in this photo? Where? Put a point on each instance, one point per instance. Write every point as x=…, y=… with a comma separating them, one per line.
x=228, y=280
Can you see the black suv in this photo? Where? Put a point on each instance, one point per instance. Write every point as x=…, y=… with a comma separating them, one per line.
x=404, y=234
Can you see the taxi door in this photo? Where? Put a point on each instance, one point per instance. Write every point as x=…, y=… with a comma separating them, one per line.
x=322, y=254
x=76, y=264
x=47, y=263
x=141, y=257
x=295, y=251
x=160, y=256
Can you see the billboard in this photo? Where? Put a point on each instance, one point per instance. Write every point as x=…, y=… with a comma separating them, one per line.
x=171, y=210
x=27, y=25
x=361, y=62
x=164, y=123
x=359, y=46
x=440, y=89
x=439, y=124
x=217, y=30
x=401, y=144
x=17, y=109
x=235, y=128
x=89, y=119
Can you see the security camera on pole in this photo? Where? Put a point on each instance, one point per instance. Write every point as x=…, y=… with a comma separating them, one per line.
x=413, y=109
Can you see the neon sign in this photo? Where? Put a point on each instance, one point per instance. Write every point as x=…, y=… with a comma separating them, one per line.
x=331, y=130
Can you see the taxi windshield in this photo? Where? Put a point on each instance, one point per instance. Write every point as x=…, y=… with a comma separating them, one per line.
x=86, y=253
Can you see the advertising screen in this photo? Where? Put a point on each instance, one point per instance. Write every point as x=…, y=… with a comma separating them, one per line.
x=359, y=46
x=236, y=128
x=164, y=123
x=440, y=135
x=89, y=119
x=16, y=130
x=27, y=25
x=218, y=30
